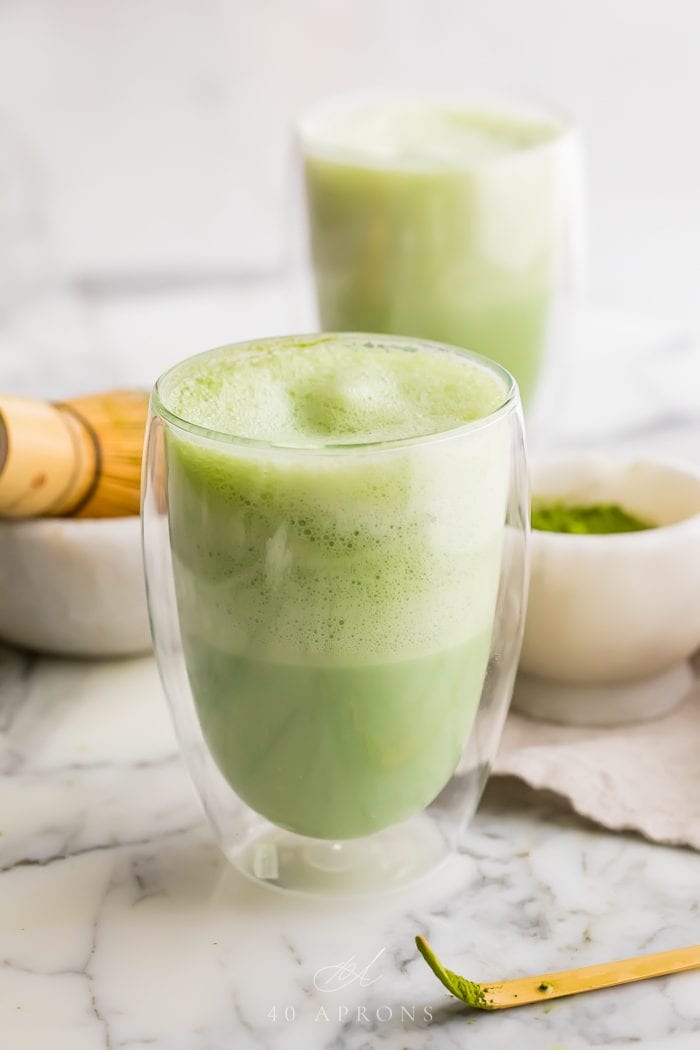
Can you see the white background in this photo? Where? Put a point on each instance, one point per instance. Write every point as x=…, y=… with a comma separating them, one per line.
x=153, y=135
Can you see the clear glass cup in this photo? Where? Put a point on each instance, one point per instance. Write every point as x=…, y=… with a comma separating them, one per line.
x=453, y=219
x=337, y=630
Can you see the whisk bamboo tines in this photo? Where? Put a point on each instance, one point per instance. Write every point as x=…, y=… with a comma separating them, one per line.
x=79, y=458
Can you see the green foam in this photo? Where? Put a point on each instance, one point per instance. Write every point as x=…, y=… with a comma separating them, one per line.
x=301, y=393
x=426, y=133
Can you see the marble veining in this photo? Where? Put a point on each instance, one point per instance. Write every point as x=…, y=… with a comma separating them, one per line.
x=122, y=926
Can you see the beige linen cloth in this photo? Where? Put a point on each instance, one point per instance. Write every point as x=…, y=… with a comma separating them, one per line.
x=643, y=777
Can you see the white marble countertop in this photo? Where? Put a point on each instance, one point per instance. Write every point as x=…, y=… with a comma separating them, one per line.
x=121, y=926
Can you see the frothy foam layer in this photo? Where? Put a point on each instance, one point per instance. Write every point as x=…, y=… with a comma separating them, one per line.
x=424, y=132
x=331, y=391
x=342, y=556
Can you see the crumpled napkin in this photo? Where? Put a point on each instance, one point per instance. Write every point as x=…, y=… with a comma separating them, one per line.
x=643, y=777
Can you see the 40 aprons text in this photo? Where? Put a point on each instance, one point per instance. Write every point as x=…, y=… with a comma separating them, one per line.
x=421, y=1015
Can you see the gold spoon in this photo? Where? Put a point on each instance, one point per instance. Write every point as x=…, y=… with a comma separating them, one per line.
x=524, y=990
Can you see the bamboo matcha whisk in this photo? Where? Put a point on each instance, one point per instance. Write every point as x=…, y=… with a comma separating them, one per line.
x=78, y=458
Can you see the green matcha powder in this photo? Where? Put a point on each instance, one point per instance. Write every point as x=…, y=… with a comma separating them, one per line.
x=597, y=519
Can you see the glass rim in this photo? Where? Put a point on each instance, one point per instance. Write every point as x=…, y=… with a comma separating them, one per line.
x=308, y=121
x=509, y=403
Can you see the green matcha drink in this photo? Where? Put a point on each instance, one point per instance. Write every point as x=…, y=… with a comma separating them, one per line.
x=443, y=222
x=336, y=510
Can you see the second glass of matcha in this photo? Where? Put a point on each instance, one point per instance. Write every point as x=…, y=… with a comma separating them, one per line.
x=335, y=546
x=448, y=220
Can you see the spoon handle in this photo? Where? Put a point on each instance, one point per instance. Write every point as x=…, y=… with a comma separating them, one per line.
x=525, y=990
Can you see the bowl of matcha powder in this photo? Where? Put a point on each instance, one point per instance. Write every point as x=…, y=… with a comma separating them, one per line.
x=614, y=602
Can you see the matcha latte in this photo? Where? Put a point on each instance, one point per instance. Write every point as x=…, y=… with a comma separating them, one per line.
x=438, y=219
x=336, y=512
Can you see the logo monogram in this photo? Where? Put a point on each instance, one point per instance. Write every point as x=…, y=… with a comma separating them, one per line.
x=340, y=975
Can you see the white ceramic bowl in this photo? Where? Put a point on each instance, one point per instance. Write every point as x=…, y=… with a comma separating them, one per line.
x=73, y=586
x=613, y=619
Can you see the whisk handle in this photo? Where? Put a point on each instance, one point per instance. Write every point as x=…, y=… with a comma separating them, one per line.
x=48, y=459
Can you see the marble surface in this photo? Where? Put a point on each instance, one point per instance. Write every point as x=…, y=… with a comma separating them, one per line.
x=121, y=926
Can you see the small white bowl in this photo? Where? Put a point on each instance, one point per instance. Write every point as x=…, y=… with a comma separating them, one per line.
x=612, y=620
x=74, y=587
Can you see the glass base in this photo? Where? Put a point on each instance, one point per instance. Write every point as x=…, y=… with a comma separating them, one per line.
x=385, y=861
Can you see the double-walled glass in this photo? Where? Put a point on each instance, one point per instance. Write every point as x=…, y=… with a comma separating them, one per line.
x=451, y=219
x=337, y=630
